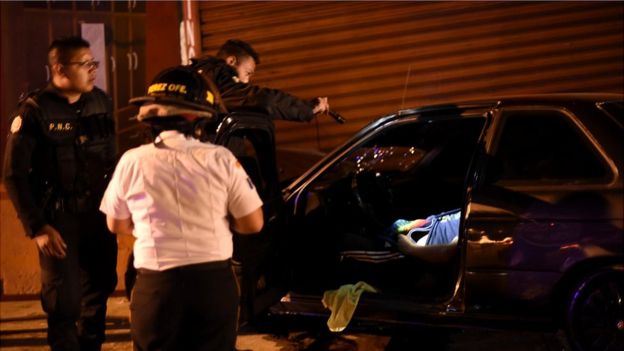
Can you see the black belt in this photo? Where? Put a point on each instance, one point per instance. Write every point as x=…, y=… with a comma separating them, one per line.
x=74, y=204
x=198, y=267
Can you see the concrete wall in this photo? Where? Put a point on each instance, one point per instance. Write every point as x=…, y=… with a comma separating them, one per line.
x=18, y=254
x=19, y=265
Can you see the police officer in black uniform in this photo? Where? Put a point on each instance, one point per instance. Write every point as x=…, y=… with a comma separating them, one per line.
x=231, y=70
x=59, y=157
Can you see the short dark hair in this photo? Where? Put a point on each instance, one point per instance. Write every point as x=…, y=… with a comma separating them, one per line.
x=198, y=129
x=239, y=49
x=61, y=49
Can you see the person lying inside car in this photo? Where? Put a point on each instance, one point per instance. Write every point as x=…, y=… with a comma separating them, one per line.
x=433, y=239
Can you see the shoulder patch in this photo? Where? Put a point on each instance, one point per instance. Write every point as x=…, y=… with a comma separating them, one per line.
x=16, y=125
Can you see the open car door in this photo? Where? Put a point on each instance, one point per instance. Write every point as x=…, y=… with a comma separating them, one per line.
x=250, y=136
x=345, y=213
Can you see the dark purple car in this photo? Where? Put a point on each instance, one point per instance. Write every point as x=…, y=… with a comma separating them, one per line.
x=538, y=181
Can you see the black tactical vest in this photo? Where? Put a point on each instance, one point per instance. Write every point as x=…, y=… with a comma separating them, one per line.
x=77, y=150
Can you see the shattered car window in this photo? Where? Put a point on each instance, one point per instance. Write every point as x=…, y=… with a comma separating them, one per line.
x=390, y=158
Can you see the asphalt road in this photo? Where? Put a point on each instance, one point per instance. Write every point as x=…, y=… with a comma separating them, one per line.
x=22, y=327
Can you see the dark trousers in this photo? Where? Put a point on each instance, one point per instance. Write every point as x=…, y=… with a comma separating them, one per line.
x=190, y=308
x=75, y=289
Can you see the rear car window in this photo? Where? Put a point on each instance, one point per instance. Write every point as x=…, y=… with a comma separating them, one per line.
x=547, y=146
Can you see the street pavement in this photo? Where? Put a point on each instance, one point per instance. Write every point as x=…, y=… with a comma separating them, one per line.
x=23, y=324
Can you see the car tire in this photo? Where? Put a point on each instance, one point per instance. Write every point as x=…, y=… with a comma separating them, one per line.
x=594, y=312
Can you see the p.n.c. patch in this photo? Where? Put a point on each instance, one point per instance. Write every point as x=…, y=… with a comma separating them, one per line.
x=16, y=125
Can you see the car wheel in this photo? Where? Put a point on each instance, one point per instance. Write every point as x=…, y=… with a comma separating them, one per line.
x=594, y=314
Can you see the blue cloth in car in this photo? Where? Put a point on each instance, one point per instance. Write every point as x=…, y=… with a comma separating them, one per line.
x=442, y=228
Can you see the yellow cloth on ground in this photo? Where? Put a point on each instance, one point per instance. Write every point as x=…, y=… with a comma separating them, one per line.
x=342, y=303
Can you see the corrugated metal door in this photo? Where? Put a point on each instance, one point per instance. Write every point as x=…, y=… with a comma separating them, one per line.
x=373, y=58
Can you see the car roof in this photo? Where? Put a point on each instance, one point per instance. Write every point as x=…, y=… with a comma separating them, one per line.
x=528, y=99
x=467, y=109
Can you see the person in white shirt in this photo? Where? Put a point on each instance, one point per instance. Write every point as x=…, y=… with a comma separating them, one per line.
x=181, y=199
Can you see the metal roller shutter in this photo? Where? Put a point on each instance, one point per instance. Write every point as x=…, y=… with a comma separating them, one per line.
x=373, y=58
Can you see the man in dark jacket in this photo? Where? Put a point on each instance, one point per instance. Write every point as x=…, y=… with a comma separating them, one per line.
x=60, y=154
x=232, y=69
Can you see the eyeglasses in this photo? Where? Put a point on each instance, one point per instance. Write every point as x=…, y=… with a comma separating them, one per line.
x=90, y=64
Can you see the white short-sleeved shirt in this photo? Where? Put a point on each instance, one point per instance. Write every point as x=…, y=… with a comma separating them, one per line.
x=179, y=196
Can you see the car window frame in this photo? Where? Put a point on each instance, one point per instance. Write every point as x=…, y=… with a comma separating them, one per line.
x=247, y=123
x=495, y=135
x=603, y=106
x=367, y=134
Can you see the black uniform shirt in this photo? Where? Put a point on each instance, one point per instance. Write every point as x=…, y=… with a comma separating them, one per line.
x=57, y=150
x=278, y=104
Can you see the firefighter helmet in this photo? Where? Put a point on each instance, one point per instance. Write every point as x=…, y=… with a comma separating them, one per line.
x=178, y=90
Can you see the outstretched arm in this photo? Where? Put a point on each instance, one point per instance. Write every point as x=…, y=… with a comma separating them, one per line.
x=279, y=104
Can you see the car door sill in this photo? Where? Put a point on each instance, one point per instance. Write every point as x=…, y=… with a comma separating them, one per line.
x=369, y=306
